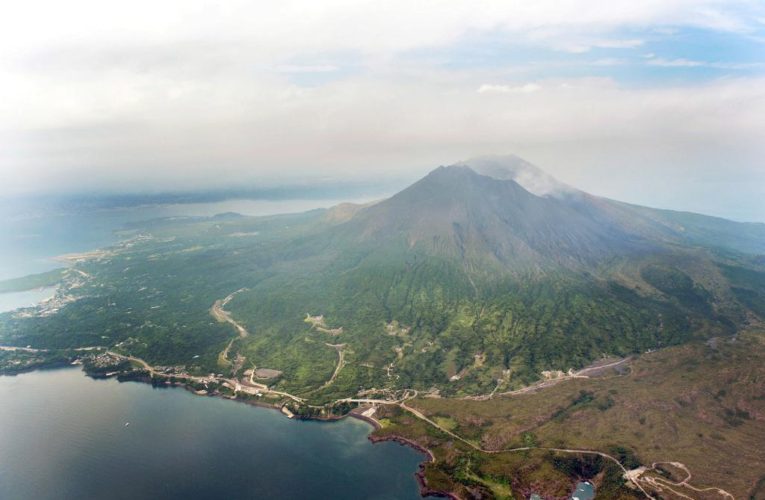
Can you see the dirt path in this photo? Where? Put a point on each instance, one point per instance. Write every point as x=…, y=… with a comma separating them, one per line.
x=340, y=364
x=146, y=366
x=408, y=394
x=223, y=316
x=252, y=380
x=583, y=373
x=636, y=476
x=661, y=483
x=476, y=447
x=223, y=356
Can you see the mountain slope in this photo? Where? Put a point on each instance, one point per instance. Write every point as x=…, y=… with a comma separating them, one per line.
x=457, y=212
x=486, y=211
x=479, y=266
x=463, y=282
x=479, y=279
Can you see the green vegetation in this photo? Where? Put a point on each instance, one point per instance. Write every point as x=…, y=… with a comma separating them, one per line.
x=674, y=405
x=473, y=474
x=461, y=285
x=486, y=294
x=409, y=316
x=20, y=361
x=32, y=281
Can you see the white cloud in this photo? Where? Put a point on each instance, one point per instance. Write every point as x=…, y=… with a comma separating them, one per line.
x=618, y=44
x=674, y=63
x=307, y=68
x=526, y=88
x=288, y=26
x=608, y=61
x=217, y=131
x=688, y=63
x=133, y=93
x=580, y=46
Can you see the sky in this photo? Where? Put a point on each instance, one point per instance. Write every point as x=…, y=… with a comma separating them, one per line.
x=657, y=102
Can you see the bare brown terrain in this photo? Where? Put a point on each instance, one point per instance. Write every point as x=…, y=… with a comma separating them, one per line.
x=693, y=415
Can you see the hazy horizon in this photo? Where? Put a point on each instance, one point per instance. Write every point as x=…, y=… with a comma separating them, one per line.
x=340, y=191
x=660, y=103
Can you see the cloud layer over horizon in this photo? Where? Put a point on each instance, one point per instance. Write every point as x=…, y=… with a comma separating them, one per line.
x=655, y=102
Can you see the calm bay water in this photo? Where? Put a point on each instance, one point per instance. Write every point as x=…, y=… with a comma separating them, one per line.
x=63, y=436
x=28, y=298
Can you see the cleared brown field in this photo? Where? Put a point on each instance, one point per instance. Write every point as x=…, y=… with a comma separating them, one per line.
x=700, y=404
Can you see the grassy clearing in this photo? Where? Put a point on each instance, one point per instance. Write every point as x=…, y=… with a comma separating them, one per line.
x=447, y=423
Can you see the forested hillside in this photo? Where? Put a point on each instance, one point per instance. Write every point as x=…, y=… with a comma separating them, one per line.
x=462, y=282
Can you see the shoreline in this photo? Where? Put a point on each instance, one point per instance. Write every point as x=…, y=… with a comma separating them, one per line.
x=26, y=298
x=423, y=488
x=59, y=365
x=422, y=484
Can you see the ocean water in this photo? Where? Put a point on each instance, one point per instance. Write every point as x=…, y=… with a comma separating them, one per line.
x=66, y=436
x=28, y=298
x=63, y=435
x=31, y=235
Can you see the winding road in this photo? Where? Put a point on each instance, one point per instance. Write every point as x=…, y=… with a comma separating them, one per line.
x=583, y=373
x=637, y=477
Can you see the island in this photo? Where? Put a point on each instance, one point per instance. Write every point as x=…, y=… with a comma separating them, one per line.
x=525, y=344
